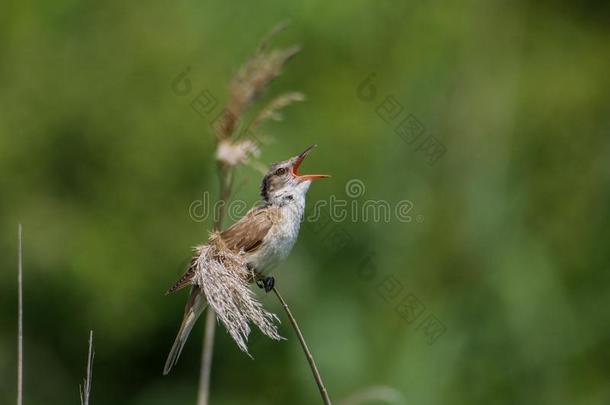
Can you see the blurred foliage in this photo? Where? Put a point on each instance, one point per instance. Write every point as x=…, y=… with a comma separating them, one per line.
x=100, y=161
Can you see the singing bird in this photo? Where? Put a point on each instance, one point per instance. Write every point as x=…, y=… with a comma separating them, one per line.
x=264, y=236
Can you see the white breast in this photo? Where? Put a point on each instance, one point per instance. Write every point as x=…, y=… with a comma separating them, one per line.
x=280, y=239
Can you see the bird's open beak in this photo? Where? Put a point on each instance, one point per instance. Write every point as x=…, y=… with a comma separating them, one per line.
x=298, y=160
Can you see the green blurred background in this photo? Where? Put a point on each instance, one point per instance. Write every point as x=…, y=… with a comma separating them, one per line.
x=100, y=161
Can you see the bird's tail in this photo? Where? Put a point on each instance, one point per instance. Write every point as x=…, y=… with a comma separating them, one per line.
x=195, y=305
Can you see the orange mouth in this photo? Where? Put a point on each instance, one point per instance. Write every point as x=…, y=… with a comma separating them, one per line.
x=297, y=164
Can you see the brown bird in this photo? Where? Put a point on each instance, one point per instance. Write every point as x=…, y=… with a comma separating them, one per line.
x=264, y=237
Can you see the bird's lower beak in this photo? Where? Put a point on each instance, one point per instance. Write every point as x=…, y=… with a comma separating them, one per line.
x=298, y=160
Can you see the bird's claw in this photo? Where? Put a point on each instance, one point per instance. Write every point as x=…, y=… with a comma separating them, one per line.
x=266, y=283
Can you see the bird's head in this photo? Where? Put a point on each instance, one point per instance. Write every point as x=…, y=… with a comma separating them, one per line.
x=284, y=183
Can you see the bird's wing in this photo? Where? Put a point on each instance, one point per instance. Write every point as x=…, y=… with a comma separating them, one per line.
x=186, y=278
x=248, y=233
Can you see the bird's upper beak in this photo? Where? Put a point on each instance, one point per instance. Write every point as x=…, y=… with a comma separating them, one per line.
x=297, y=163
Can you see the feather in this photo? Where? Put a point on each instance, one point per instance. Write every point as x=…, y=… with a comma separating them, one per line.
x=249, y=232
x=195, y=305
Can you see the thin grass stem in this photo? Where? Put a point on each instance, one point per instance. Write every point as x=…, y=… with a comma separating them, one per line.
x=225, y=175
x=86, y=392
x=310, y=359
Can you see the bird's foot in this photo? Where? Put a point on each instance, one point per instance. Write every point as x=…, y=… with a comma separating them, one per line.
x=267, y=283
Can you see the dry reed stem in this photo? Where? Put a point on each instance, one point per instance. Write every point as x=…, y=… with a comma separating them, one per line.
x=206, y=358
x=225, y=177
x=210, y=320
x=247, y=85
x=86, y=392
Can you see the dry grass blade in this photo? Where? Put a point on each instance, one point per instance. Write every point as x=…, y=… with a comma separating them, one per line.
x=224, y=279
x=272, y=110
x=235, y=153
x=251, y=80
x=276, y=30
x=86, y=392
x=20, y=317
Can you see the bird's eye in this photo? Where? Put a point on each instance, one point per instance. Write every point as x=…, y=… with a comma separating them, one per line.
x=280, y=171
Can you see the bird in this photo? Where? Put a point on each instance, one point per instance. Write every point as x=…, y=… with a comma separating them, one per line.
x=265, y=235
